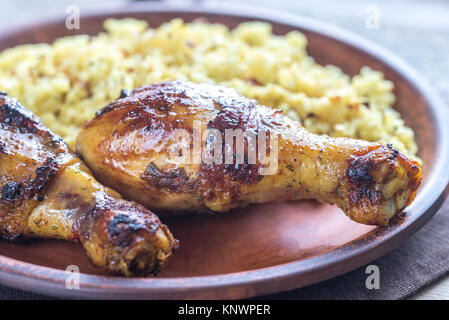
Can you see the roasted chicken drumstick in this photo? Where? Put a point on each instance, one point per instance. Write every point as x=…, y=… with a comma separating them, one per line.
x=47, y=192
x=130, y=143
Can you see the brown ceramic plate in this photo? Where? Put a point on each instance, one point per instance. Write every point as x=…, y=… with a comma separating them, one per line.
x=260, y=249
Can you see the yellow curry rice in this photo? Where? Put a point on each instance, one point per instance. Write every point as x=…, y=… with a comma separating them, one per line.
x=66, y=82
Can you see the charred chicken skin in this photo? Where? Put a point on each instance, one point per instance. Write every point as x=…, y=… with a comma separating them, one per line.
x=130, y=143
x=47, y=192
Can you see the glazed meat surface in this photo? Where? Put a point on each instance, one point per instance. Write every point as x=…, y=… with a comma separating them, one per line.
x=47, y=192
x=145, y=145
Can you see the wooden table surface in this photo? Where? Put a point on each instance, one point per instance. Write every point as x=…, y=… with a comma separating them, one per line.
x=416, y=30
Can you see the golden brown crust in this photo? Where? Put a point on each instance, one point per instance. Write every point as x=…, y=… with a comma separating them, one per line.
x=128, y=146
x=151, y=114
x=134, y=243
x=368, y=171
x=46, y=191
x=25, y=174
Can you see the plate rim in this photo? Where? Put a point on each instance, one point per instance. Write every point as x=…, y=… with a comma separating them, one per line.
x=49, y=280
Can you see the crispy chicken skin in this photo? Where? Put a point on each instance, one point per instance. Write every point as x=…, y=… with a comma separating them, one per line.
x=47, y=192
x=129, y=147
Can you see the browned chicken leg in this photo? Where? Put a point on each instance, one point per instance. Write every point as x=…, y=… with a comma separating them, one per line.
x=47, y=192
x=130, y=144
